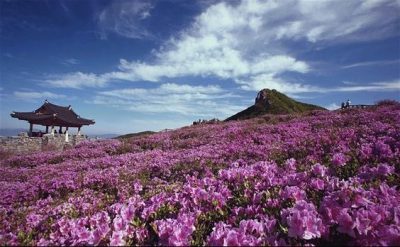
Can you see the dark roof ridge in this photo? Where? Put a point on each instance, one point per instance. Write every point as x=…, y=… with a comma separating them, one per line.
x=61, y=115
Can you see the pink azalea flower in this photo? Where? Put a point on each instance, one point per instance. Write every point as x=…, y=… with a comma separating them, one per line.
x=34, y=219
x=346, y=223
x=127, y=213
x=231, y=239
x=319, y=170
x=317, y=184
x=84, y=235
x=137, y=187
x=303, y=221
x=290, y=164
x=117, y=239
x=339, y=159
x=119, y=224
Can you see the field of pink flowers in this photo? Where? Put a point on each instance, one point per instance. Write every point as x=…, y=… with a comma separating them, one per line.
x=322, y=178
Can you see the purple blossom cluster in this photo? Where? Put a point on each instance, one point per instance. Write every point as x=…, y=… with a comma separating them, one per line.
x=316, y=179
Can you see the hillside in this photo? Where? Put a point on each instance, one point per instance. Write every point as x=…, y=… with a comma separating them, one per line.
x=273, y=102
x=138, y=134
x=319, y=179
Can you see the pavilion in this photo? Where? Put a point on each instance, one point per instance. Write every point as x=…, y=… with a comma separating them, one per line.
x=51, y=115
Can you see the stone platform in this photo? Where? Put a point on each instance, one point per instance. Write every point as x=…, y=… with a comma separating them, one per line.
x=23, y=144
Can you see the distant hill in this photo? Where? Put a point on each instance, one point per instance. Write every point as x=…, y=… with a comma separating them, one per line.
x=273, y=102
x=13, y=132
x=103, y=136
x=143, y=133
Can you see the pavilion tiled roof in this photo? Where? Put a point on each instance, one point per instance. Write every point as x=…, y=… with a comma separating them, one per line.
x=53, y=115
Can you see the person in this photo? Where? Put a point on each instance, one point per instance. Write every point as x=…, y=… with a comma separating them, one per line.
x=342, y=105
x=348, y=102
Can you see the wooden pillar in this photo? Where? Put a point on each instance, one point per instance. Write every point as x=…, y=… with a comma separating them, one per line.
x=30, y=129
x=60, y=130
x=79, y=131
x=47, y=129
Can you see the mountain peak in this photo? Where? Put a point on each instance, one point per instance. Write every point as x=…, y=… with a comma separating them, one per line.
x=270, y=101
x=264, y=96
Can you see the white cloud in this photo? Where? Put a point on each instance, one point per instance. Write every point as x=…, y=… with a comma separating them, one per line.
x=278, y=64
x=217, y=44
x=241, y=41
x=30, y=95
x=205, y=101
x=225, y=63
x=125, y=18
x=374, y=86
x=225, y=40
x=349, y=83
x=336, y=21
x=70, y=61
x=261, y=81
x=269, y=81
x=371, y=63
x=332, y=106
x=75, y=80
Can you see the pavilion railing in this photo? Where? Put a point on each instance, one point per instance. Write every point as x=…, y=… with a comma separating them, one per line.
x=357, y=106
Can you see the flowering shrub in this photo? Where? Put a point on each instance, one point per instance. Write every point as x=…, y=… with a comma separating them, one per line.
x=317, y=179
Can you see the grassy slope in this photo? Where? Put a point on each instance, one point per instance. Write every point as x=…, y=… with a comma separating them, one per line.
x=280, y=104
x=143, y=133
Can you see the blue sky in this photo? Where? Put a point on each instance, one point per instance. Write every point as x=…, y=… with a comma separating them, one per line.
x=151, y=65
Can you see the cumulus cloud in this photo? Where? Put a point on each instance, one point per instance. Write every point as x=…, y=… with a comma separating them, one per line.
x=261, y=81
x=226, y=39
x=226, y=63
x=75, y=80
x=203, y=101
x=242, y=41
x=221, y=42
x=30, y=95
x=125, y=18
